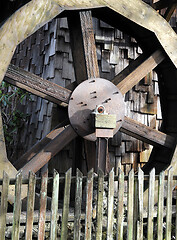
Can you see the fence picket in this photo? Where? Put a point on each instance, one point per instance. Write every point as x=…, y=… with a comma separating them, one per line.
x=78, y=201
x=169, y=204
x=110, y=219
x=151, y=204
x=30, y=206
x=43, y=202
x=64, y=227
x=120, y=206
x=140, y=204
x=17, y=207
x=89, y=197
x=160, y=206
x=130, y=205
x=4, y=204
x=54, y=206
x=100, y=205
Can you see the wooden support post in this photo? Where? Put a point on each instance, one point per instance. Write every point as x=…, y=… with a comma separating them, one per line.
x=101, y=155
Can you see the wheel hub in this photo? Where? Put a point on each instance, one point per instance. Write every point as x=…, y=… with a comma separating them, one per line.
x=86, y=98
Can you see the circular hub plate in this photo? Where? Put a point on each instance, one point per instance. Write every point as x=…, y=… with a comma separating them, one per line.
x=84, y=100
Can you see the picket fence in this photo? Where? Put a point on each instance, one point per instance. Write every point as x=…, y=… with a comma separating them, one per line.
x=120, y=216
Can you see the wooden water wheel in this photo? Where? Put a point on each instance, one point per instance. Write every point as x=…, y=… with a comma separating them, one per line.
x=158, y=42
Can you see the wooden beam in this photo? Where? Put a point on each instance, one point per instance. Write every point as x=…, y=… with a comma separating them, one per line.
x=169, y=12
x=50, y=150
x=37, y=85
x=39, y=146
x=83, y=45
x=85, y=61
x=163, y=4
x=137, y=70
x=147, y=134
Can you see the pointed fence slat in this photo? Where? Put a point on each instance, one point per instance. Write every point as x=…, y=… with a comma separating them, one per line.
x=78, y=202
x=110, y=219
x=140, y=204
x=64, y=227
x=99, y=223
x=4, y=204
x=130, y=205
x=120, y=206
x=17, y=207
x=160, y=206
x=169, y=204
x=54, y=206
x=43, y=202
x=30, y=206
x=89, y=198
x=151, y=204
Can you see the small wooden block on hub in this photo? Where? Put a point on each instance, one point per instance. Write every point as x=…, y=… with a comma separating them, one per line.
x=104, y=133
x=105, y=121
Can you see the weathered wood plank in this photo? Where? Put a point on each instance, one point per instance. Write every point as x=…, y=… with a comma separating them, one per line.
x=30, y=206
x=158, y=5
x=146, y=134
x=50, y=150
x=78, y=201
x=89, y=198
x=110, y=218
x=160, y=206
x=99, y=223
x=40, y=145
x=64, y=226
x=140, y=204
x=170, y=10
x=4, y=205
x=37, y=85
x=169, y=204
x=120, y=206
x=17, y=207
x=137, y=70
x=54, y=206
x=130, y=205
x=43, y=203
x=151, y=204
x=84, y=59
x=83, y=45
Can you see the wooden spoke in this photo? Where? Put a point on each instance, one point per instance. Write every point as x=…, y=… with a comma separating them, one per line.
x=39, y=146
x=85, y=61
x=170, y=10
x=64, y=136
x=163, y=4
x=138, y=69
x=36, y=85
x=83, y=45
x=146, y=134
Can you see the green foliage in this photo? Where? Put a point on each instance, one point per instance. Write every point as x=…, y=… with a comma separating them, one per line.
x=11, y=99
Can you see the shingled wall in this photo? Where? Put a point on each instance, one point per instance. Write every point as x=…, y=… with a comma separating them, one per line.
x=47, y=53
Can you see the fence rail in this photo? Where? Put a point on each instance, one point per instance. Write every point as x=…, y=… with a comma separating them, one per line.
x=92, y=207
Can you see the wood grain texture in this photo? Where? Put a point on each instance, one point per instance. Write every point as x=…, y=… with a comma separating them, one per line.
x=37, y=85
x=50, y=150
x=137, y=70
x=36, y=13
x=146, y=134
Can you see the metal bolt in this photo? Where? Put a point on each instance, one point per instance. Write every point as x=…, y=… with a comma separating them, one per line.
x=100, y=109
